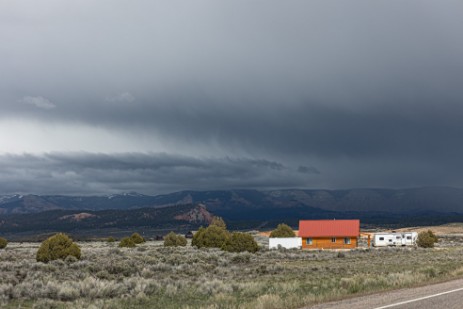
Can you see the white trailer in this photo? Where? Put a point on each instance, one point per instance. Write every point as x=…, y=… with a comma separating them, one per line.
x=409, y=239
x=383, y=240
x=394, y=239
x=287, y=243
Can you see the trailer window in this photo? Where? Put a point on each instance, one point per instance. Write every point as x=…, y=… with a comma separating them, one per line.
x=381, y=238
x=397, y=237
x=409, y=237
x=390, y=240
x=333, y=239
x=347, y=241
x=308, y=241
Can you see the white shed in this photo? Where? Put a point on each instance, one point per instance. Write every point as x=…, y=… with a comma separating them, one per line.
x=287, y=242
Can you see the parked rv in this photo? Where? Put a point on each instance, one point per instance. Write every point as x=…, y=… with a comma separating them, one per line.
x=394, y=239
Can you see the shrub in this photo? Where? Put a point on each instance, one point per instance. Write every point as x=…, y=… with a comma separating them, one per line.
x=211, y=237
x=127, y=242
x=240, y=242
x=111, y=239
x=170, y=240
x=174, y=240
x=426, y=239
x=3, y=243
x=218, y=221
x=137, y=238
x=181, y=240
x=432, y=235
x=59, y=246
x=282, y=230
x=197, y=237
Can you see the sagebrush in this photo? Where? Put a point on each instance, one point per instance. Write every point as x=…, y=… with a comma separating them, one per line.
x=154, y=276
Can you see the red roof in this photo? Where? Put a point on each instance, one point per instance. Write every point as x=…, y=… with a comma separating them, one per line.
x=329, y=228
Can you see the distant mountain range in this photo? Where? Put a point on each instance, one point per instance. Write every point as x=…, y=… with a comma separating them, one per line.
x=68, y=220
x=442, y=199
x=241, y=209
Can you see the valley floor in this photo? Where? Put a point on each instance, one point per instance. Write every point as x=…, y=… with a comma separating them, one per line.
x=151, y=276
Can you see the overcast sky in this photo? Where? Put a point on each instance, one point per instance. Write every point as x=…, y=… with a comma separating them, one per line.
x=101, y=97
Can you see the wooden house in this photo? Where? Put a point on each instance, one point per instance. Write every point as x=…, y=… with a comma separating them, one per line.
x=329, y=234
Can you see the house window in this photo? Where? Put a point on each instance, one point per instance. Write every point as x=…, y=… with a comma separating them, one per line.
x=347, y=241
x=333, y=239
x=381, y=238
x=308, y=241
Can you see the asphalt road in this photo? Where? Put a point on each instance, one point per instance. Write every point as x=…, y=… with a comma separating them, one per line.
x=448, y=295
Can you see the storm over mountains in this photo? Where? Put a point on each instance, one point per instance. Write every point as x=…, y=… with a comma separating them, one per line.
x=159, y=96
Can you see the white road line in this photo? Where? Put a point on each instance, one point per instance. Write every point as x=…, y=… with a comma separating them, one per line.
x=418, y=299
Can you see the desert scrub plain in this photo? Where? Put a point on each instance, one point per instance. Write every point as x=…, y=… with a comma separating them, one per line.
x=153, y=276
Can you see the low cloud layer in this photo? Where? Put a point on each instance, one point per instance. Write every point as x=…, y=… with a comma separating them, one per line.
x=85, y=173
x=156, y=173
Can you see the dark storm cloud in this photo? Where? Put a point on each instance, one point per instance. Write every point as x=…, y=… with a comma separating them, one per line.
x=154, y=173
x=84, y=173
x=424, y=130
x=365, y=93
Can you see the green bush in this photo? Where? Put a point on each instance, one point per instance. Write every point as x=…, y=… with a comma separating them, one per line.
x=137, y=238
x=181, y=240
x=211, y=237
x=111, y=239
x=197, y=237
x=432, y=235
x=218, y=221
x=240, y=242
x=127, y=242
x=281, y=231
x=426, y=239
x=174, y=240
x=170, y=240
x=3, y=243
x=59, y=246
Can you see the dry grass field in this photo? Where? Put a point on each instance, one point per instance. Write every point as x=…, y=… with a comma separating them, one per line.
x=151, y=276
